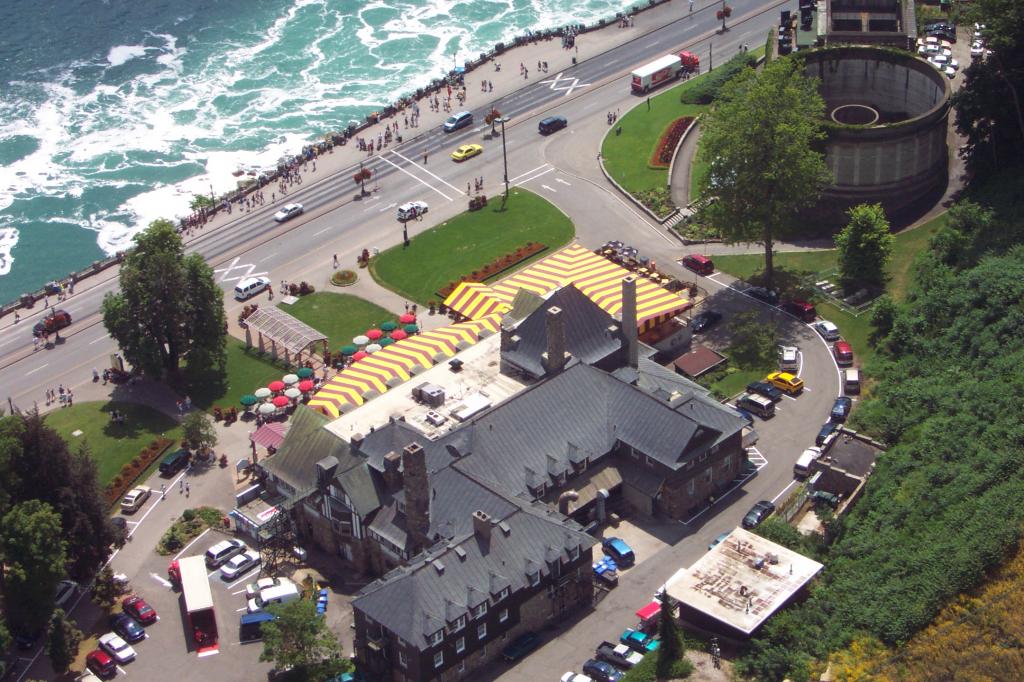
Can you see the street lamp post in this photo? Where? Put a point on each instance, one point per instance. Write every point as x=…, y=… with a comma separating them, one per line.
x=504, y=156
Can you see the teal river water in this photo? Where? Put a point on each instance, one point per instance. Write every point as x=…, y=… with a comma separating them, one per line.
x=116, y=112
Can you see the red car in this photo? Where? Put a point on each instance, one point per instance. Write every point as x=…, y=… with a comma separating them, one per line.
x=802, y=310
x=100, y=662
x=844, y=353
x=136, y=607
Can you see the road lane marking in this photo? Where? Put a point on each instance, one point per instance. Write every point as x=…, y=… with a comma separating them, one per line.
x=550, y=189
x=248, y=267
x=252, y=571
x=422, y=168
x=520, y=184
x=783, y=492
x=384, y=208
x=186, y=548
x=317, y=234
x=267, y=257
x=417, y=179
x=563, y=182
x=523, y=175
x=572, y=83
x=160, y=579
x=33, y=371
x=102, y=338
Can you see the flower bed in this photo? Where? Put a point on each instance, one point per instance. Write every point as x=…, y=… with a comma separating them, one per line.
x=343, y=278
x=191, y=523
x=131, y=471
x=495, y=267
x=666, y=147
x=658, y=201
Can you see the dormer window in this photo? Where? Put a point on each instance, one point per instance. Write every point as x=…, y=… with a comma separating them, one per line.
x=574, y=553
x=502, y=594
x=561, y=478
x=480, y=610
x=401, y=506
x=436, y=638
x=534, y=578
x=459, y=623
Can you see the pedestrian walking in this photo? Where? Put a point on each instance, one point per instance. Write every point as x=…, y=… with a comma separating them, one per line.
x=71, y=398
x=163, y=491
x=35, y=343
x=335, y=261
x=270, y=293
x=188, y=490
x=691, y=5
x=181, y=486
x=648, y=104
x=424, y=158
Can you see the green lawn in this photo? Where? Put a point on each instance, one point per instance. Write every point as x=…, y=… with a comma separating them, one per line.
x=111, y=445
x=247, y=371
x=468, y=241
x=339, y=316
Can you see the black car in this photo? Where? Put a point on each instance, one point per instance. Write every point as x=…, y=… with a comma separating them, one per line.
x=120, y=525
x=551, y=124
x=521, y=646
x=601, y=671
x=841, y=408
x=827, y=429
x=765, y=389
x=53, y=322
x=766, y=295
x=125, y=625
x=619, y=655
x=705, y=319
x=943, y=33
x=758, y=513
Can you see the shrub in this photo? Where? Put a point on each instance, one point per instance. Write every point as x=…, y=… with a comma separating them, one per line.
x=705, y=90
x=188, y=514
x=343, y=277
x=658, y=200
x=666, y=147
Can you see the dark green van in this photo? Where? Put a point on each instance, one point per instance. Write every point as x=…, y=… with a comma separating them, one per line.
x=173, y=462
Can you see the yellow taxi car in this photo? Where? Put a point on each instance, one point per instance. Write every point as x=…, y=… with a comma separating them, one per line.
x=466, y=151
x=784, y=381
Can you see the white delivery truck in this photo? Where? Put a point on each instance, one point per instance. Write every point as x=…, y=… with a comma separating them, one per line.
x=664, y=69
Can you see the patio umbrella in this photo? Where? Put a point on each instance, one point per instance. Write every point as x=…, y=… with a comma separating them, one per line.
x=306, y=386
x=248, y=400
x=276, y=386
x=262, y=392
x=374, y=334
x=399, y=334
x=388, y=326
x=385, y=342
x=280, y=401
x=360, y=355
x=373, y=348
x=360, y=340
x=411, y=329
x=305, y=372
x=290, y=379
x=348, y=350
x=293, y=393
x=267, y=408
x=407, y=318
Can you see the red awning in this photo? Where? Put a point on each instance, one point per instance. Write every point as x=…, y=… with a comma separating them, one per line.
x=269, y=435
x=649, y=611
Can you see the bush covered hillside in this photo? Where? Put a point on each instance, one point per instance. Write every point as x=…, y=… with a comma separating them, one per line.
x=946, y=502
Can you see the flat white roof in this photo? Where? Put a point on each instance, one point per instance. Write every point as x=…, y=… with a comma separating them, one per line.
x=743, y=580
x=656, y=65
x=195, y=586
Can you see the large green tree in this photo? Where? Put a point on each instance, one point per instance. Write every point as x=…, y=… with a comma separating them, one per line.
x=169, y=311
x=300, y=639
x=759, y=142
x=197, y=428
x=33, y=561
x=62, y=640
x=865, y=247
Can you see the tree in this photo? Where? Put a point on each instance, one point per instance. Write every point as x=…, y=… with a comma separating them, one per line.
x=669, y=650
x=970, y=231
x=105, y=589
x=199, y=431
x=754, y=346
x=883, y=319
x=865, y=247
x=300, y=639
x=758, y=142
x=201, y=201
x=168, y=310
x=33, y=558
x=62, y=640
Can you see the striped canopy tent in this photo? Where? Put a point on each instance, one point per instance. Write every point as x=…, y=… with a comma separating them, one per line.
x=395, y=364
x=598, y=278
x=475, y=300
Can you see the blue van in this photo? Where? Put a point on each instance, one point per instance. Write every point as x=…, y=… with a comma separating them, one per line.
x=250, y=627
x=174, y=461
x=459, y=120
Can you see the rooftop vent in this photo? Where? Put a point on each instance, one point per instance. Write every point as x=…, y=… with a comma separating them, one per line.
x=461, y=553
x=438, y=566
x=505, y=528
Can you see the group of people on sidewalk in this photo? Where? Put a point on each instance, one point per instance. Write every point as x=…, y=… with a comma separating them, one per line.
x=62, y=395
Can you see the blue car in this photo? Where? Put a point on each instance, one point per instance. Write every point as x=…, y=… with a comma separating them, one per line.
x=841, y=408
x=617, y=549
x=125, y=625
x=639, y=641
x=827, y=429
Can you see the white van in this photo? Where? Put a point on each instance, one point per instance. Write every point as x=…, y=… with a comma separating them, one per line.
x=851, y=381
x=412, y=210
x=756, y=404
x=803, y=464
x=282, y=593
x=250, y=286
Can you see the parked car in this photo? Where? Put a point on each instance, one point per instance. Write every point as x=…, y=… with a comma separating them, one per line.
x=250, y=286
x=599, y=671
x=456, y=121
x=826, y=330
x=239, y=564
x=54, y=321
x=467, y=151
x=843, y=353
x=136, y=607
x=135, y=498
x=765, y=389
x=841, y=408
x=619, y=655
x=823, y=497
x=786, y=382
x=224, y=550
x=287, y=212
x=789, y=358
x=617, y=549
x=551, y=124
x=120, y=526
x=66, y=591
x=700, y=264
x=827, y=429
x=575, y=677
x=717, y=541
x=758, y=513
x=120, y=650
x=101, y=663
x=765, y=295
x=252, y=589
x=125, y=625
x=802, y=467
x=639, y=641
x=521, y=646
x=705, y=319
x=801, y=310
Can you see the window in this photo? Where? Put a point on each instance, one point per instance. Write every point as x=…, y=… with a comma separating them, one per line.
x=502, y=594
x=561, y=478
x=481, y=630
x=534, y=578
x=727, y=462
x=437, y=638
x=703, y=457
x=460, y=645
x=401, y=659
x=459, y=623
x=633, y=453
x=480, y=610
x=692, y=485
x=438, y=659
x=574, y=553
x=708, y=475
x=503, y=616
x=462, y=666
x=648, y=461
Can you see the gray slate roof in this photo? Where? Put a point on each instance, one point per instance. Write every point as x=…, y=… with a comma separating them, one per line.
x=307, y=443
x=393, y=437
x=364, y=488
x=417, y=600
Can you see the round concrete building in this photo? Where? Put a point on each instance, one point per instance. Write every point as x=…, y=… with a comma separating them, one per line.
x=886, y=123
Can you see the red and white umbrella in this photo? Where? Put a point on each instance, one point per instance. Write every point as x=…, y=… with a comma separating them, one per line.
x=399, y=334
x=306, y=386
x=281, y=401
x=374, y=334
x=407, y=318
x=276, y=386
x=360, y=355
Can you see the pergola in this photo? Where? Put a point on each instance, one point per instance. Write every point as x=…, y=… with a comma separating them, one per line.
x=281, y=329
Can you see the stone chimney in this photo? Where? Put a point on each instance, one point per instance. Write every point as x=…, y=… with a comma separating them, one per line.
x=417, y=494
x=392, y=471
x=629, y=320
x=555, y=357
x=482, y=525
